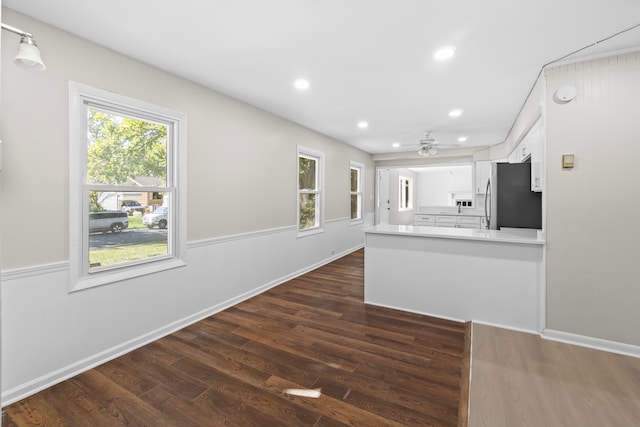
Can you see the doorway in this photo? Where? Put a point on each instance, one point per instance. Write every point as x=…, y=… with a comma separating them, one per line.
x=383, y=204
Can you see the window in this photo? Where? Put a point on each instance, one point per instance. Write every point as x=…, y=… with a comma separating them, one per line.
x=309, y=191
x=124, y=153
x=356, y=191
x=406, y=193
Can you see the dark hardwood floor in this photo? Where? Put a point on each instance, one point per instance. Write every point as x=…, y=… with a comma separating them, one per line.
x=375, y=366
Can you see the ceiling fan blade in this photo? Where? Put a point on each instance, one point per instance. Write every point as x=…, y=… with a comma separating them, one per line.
x=439, y=145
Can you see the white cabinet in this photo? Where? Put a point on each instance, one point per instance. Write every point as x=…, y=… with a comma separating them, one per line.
x=421, y=219
x=455, y=221
x=525, y=149
x=536, y=142
x=522, y=152
x=483, y=171
x=446, y=221
x=514, y=157
x=458, y=221
x=532, y=148
x=468, y=222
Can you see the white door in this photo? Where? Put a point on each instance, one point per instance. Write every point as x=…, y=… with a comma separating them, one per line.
x=382, y=205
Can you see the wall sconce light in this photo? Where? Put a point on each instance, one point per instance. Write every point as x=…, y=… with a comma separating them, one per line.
x=28, y=53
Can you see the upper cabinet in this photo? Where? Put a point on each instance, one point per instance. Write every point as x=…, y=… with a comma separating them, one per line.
x=536, y=144
x=531, y=149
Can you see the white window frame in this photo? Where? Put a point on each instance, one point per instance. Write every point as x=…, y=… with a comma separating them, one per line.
x=80, y=96
x=359, y=192
x=405, y=201
x=319, y=191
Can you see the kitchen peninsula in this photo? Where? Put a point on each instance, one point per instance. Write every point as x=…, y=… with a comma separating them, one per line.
x=490, y=276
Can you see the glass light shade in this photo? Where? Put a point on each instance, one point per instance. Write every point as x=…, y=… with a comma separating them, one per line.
x=29, y=56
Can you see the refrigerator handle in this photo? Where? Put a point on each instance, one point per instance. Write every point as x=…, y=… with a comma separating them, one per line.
x=487, y=204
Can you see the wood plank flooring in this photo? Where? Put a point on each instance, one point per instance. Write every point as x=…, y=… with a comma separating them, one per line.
x=375, y=366
x=520, y=379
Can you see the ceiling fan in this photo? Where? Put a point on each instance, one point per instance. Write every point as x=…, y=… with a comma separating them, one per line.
x=428, y=145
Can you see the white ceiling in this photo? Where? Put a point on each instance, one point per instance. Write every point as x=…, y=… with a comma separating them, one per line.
x=365, y=59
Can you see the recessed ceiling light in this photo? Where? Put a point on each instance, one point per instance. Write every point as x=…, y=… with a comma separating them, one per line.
x=462, y=139
x=395, y=145
x=445, y=53
x=455, y=113
x=363, y=125
x=301, y=84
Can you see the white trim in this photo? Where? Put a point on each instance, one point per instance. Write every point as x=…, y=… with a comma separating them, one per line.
x=360, y=191
x=240, y=236
x=176, y=122
x=548, y=334
x=511, y=328
x=310, y=232
x=45, y=381
x=302, y=151
x=422, y=313
x=587, y=58
x=26, y=389
x=590, y=342
x=330, y=221
x=63, y=266
x=36, y=270
x=118, y=275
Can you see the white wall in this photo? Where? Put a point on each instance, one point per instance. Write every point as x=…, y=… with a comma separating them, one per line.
x=241, y=212
x=593, y=273
x=435, y=185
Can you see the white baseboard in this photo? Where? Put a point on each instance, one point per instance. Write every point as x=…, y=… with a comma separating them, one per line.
x=511, y=328
x=594, y=343
x=52, y=378
x=438, y=316
x=31, y=387
x=579, y=340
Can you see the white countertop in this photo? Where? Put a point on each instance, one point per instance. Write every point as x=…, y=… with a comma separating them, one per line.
x=512, y=235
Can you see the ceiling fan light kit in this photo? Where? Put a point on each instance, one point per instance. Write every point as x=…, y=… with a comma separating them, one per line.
x=429, y=146
x=427, y=150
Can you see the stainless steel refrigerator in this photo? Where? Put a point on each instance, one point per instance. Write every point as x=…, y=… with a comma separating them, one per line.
x=509, y=201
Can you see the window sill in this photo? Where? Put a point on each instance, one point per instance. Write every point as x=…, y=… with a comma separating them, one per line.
x=105, y=278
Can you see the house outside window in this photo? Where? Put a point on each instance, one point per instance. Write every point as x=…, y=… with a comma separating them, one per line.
x=356, y=193
x=121, y=151
x=310, y=200
x=405, y=201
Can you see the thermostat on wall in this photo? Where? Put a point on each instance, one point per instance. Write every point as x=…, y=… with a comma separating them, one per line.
x=567, y=161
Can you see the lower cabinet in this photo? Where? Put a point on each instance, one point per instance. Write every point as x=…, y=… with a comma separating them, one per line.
x=446, y=221
x=425, y=220
x=455, y=221
x=468, y=222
